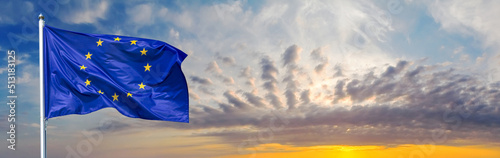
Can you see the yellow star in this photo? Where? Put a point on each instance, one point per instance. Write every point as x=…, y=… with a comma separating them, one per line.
x=88, y=56
x=147, y=67
x=129, y=94
x=117, y=39
x=141, y=86
x=115, y=97
x=82, y=67
x=100, y=92
x=143, y=51
x=133, y=42
x=99, y=43
x=87, y=83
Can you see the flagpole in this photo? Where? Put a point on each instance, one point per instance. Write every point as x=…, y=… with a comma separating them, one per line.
x=41, y=24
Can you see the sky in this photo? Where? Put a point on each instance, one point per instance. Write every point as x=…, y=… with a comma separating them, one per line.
x=280, y=78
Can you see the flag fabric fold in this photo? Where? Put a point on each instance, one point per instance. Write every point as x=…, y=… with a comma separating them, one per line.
x=141, y=78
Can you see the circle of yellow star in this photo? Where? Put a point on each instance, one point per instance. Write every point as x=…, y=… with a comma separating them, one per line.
x=133, y=42
x=115, y=97
x=143, y=51
x=141, y=86
x=147, y=67
x=100, y=92
x=99, y=43
x=117, y=39
x=129, y=94
x=88, y=56
x=82, y=67
x=87, y=83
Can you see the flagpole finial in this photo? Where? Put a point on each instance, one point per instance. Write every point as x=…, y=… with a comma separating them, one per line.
x=40, y=17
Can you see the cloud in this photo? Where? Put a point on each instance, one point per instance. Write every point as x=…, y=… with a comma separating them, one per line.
x=291, y=99
x=205, y=90
x=194, y=96
x=248, y=75
x=236, y=101
x=338, y=71
x=269, y=75
x=290, y=59
x=25, y=78
x=274, y=100
x=468, y=17
x=269, y=70
x=305, y=96
x=4, y=69
x=255, y=100
x=398, y=105
x=141, y=14
x=214, y=68
x=291, y=55
x=475, y=19
x=391, y=70
x=339, y=91
x=230, y=61
x=318, y=56
x=174, y=34
x=320, y=67
x=246, y=72
x=27, y=81
x=86, y=12
x=200, y=80
x=23, y=10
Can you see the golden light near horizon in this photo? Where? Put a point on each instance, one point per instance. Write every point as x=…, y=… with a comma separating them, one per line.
x=346, y=151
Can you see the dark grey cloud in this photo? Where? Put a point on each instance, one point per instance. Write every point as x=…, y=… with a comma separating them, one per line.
x=291, y=55
x=274, y=100
x=269, y=75
x=411, y=103
x=320, y=67
x=236, y=101
x=228, y=60
x=305, y=96
x=270, y=86
x=318, y=56
x=269, y=70
x=227, y=80
x=391, y=70
x=395, y=104
x=254, y=99
x=112, y=125
x=291, y=99
x=290, y=59
x=338, y=71
x=201, y=80
x=206, y=90
x=339, y=91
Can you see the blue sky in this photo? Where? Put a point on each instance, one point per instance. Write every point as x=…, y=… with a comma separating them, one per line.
x=301, y=62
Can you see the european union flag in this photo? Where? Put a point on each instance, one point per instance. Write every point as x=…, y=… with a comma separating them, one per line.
x=141, y=78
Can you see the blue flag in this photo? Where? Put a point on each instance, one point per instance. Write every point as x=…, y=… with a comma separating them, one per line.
x=141, y=78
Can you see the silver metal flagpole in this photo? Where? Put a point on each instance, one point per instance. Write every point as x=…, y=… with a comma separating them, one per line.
x=41, y=24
